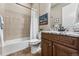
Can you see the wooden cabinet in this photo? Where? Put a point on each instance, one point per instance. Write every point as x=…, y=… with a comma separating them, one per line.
x=47, y=48
x=60, y=50
x=59, y=45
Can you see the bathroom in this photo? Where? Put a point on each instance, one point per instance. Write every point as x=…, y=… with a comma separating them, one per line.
x=22, y=25
x=15, y=29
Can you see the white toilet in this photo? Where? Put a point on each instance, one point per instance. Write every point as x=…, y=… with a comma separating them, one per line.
x=35, y=45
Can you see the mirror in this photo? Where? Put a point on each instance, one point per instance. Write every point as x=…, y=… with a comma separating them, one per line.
x=70, y=15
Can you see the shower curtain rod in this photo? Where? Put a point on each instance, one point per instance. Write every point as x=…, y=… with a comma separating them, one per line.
x=26, y=7
x=23, y=5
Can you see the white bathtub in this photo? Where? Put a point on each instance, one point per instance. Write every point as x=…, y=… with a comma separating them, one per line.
x=14, y=45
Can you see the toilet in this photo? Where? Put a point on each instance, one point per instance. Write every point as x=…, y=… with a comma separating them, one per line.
x=35, y=45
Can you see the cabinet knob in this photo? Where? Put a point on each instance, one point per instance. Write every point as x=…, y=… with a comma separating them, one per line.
x=50, y=44
x=53, y=46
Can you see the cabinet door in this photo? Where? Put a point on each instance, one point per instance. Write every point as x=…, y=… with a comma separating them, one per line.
x=60, y=50
x=47, y=48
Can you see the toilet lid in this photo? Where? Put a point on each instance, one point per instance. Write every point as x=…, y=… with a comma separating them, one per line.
x=35, y=40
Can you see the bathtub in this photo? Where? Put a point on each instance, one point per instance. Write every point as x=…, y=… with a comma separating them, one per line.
x=12, y=46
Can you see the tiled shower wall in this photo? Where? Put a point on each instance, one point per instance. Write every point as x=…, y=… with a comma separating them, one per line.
x=16, y=20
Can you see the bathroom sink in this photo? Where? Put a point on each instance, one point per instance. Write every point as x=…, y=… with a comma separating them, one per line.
x=76, y=32
x=73, y=33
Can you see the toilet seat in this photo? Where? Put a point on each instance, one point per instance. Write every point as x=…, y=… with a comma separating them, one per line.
x=35, y=41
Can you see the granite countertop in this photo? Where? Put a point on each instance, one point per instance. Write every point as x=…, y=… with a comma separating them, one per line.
x=73, y=34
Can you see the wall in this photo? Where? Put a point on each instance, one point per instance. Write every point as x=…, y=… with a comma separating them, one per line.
x=36, y=6
x=56, y=13
x=45, y=8
x=16, y=20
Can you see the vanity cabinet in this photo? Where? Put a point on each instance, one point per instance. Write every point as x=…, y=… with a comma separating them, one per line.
x=59, y=45
x=47, y=48
x=61, y=50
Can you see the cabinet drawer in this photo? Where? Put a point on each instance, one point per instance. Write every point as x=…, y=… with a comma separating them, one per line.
x=52, y=37
x=55, y=37
x=46, y=36
x=68, y=40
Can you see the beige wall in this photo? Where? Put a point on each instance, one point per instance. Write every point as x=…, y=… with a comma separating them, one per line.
x=53, y=14
x=45, y=8
x=56, y=12
x=36, y=6
x=16, y=20
x=42, y=8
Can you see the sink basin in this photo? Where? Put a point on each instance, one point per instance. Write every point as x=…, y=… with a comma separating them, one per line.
x=76, y=32
x=73, y=33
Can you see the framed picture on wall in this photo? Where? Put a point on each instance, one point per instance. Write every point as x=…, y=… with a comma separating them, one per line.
x=43, y=20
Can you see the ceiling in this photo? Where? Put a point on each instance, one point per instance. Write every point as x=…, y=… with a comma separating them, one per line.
x=55, y=4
